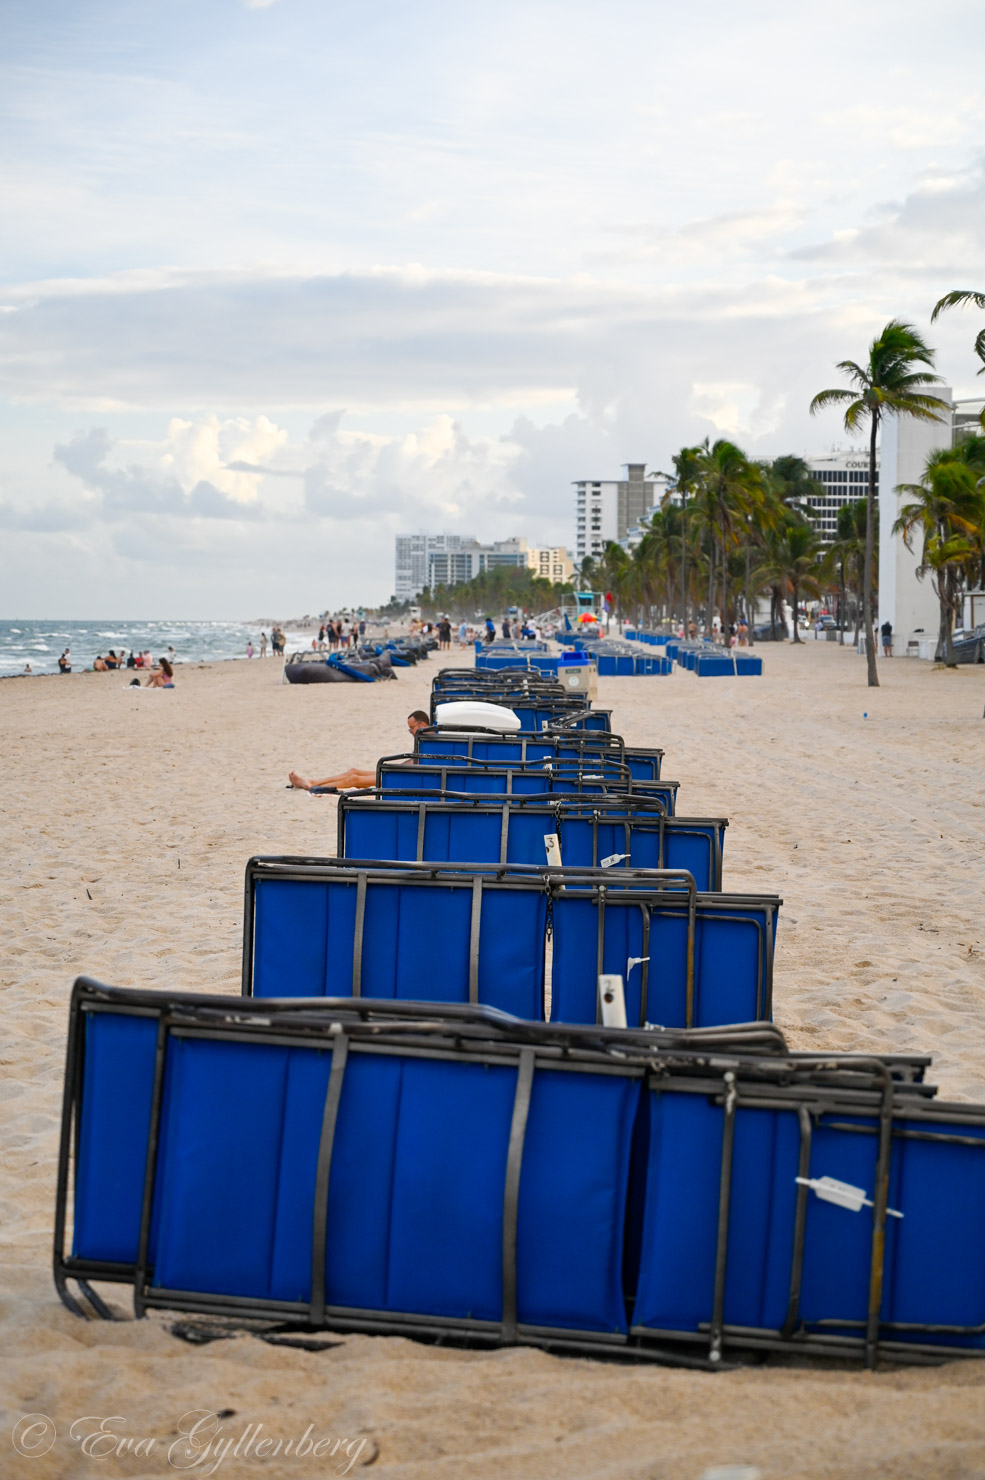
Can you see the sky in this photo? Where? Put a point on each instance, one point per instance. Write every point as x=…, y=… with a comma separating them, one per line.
x=280, y=279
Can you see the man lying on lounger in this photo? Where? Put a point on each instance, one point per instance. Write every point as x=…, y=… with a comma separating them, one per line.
x=354, y=779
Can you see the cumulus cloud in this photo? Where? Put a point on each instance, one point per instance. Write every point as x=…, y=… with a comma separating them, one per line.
x=188, y=475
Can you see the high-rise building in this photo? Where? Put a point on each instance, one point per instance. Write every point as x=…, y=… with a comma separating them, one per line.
x=607, y=509
x=413, y=552
x=424, y=561
x=472, y=559
x=844, y=478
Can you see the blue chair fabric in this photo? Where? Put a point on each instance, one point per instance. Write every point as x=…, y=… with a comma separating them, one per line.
x=450, y=1171
x=444, y=830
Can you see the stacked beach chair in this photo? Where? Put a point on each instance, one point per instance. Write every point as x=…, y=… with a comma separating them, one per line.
x=503, y=1070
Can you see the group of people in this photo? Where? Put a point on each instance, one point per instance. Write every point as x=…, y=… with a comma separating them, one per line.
x=114, y=660
x=512, y=630
x=335, y=635
x=278, y=642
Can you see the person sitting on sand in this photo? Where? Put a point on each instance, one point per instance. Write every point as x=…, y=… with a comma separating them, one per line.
x=354, y=779
x=162, y=680
x=100, y=665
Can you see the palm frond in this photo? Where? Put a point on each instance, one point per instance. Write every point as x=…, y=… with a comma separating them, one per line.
x=959, y=295
x=823, y=399
x=918, y=377
x=923, y=408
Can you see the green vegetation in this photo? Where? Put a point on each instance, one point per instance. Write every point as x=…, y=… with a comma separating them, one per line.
x=732, y=530
x=948, y=509
x=492, y=593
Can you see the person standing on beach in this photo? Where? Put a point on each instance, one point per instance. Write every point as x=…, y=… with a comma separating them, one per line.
x=263, y=644
x=887, y=638
x=249, y=649
x=65, y=662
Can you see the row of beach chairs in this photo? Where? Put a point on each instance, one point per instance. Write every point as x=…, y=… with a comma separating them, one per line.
x=503, y=1070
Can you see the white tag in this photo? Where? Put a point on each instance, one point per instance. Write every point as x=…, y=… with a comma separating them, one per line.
x=612, y=858
x=842, y=1194
x=553, y=845
x=613, y=1000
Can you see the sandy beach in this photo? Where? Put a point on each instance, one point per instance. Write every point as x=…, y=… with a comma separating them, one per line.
x=127, y=818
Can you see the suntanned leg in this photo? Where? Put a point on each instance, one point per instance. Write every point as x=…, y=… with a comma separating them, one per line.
x=350, y=778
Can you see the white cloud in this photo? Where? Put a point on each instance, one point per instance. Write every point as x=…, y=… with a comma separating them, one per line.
x=203, y=449
x=738, y=409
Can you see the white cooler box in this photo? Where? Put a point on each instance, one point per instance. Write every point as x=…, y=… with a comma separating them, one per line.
x=579, y=678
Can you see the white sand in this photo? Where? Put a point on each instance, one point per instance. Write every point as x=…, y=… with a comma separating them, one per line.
x=870, y=829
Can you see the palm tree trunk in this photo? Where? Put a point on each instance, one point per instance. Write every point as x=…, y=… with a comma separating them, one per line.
x=711, y=582
x=749, y=621
x=796, y=634
x=942, y=624
x=858, y=604
x=870, y=644
x=947, y=615
x=724, y=582
x=841, y=605
x=684, y=561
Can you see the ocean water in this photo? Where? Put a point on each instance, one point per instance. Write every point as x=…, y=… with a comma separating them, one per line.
x=42, y=643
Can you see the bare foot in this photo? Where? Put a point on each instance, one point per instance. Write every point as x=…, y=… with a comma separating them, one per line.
x=299, y=781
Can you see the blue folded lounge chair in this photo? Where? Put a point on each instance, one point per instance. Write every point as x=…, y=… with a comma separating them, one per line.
x=308, y=1168
x=448, y=1171
x=480, y=779
x=582, y=748
x=785, y=1261
x=478, y=934
x=439, y=828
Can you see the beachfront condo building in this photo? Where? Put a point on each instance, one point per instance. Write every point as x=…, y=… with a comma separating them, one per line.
x=424, y=561
x=843, y=476
x=413, y=555
x=608, y=509
x=551, y=563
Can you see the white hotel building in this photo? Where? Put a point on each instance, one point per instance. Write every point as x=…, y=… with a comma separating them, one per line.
x=607, y=509
x=909, y=603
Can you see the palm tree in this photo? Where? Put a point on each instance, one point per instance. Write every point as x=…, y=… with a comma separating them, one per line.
x=948, y=508
x=848, y=550
x=951, y=300
x=727, y=482
x=886, y=385
x=794, y=563
x=790, y=478
x=687, y=470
